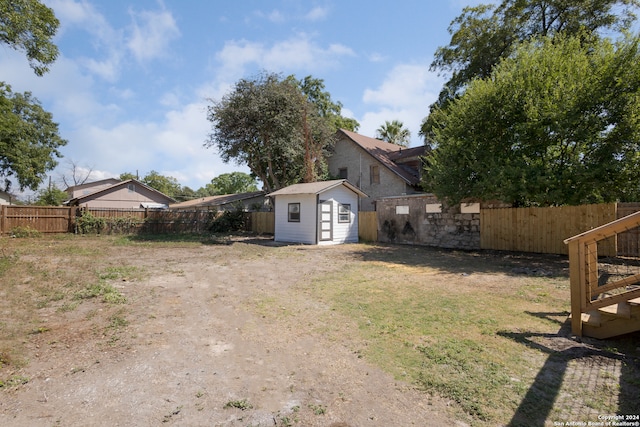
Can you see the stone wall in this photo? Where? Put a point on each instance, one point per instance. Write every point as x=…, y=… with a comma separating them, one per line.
x=424, y=220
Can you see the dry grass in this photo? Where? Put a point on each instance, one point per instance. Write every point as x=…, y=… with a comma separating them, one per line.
x=475, y=329
x=51, y=281
x=485, y=330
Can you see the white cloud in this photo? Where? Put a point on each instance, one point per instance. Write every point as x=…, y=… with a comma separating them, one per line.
x=276, y=17
x=405, y=85
x=296, y=53
x=82, y=14
x=317, y=14
x=152, y=32
x=105, y=39
x=172, y=147
x=405, y=95
x=377, y=57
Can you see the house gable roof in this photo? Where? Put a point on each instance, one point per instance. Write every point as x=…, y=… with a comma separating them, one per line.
x=387, y=153
x=317, y=188
x=217, y=200
x=111, y=181
x=118, y=185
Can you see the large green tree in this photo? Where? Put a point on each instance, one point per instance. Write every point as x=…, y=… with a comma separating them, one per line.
x=230, y=183
x=314, y=90
x=269, y=124
x=51, y=196
x=29, y=139
x=483, y=35
x=394, y=132
x=556, y=123
x=29, y=26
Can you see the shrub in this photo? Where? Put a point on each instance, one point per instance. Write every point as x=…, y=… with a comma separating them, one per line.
x=24, y=232
x=88, y=223
x=227, y=222
x=123, y=225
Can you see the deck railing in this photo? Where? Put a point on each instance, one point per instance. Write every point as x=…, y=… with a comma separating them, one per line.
x=587, y=293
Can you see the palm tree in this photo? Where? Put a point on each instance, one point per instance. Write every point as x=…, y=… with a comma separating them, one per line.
x=394, y=132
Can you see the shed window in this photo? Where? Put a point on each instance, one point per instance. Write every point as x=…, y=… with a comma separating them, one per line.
x=344, y=213
x=294, y=212
x=131, y=188
x=343, y=173
x=374, y=174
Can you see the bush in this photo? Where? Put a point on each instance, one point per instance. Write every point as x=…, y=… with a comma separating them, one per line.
x=24, y=232
x=123, y=225
x=88, y=223
x=227, y=222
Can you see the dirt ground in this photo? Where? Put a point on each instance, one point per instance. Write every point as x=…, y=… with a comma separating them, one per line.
x=197, y=351
x=230, y=335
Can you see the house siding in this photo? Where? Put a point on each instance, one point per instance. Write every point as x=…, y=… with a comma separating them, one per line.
x=358, y=163
x=122, y=198
x=299, y=232
x=84, y=189
x=343, y=232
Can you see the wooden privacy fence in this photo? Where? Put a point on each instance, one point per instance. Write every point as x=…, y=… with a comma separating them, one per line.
x=543, y=230
x=45, y=219
x=261, y=222
x=368, y=226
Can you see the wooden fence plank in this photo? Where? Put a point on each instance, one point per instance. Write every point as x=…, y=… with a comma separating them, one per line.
x=543, y=230
x=368, y=226
x=45, y=219
x=262, y=222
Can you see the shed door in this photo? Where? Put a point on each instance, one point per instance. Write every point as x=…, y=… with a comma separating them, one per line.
x=325, y=217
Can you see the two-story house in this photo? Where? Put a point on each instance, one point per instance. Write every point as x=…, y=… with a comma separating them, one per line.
x=378, y=168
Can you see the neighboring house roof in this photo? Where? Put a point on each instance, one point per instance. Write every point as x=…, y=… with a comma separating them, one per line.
x=5, y=198
x=219, y=200
x=317, y=188
x=102, y=182
x=120, y=184
x=388, y=154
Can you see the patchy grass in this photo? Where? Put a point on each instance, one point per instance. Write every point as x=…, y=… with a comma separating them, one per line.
x=243, y=404
x=462, y=328
x=62, y=274
x=462, y=325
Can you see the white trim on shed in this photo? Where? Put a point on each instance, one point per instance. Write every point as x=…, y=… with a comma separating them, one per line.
x=327, y=213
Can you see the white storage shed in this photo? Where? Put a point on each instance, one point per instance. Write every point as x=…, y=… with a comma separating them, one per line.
x=317, y=213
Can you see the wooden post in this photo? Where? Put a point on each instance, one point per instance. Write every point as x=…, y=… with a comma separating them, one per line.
x=71, y=219
x=591, y=271
x=3, y=219
x=576, y=267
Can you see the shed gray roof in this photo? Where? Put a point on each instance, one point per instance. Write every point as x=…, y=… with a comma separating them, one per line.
x=317, y=188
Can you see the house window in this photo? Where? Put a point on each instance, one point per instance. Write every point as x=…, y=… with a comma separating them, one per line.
x=131, y=188
x=343, y=173
x=344, y=213
x=294, y=212
x=374, y=174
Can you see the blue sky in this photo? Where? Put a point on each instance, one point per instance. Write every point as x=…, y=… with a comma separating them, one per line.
x=133, y=79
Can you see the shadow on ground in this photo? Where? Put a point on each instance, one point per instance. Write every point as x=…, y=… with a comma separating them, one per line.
x=605, y=371
x=468, y=262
